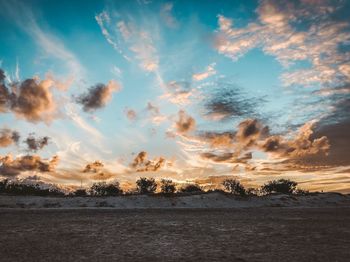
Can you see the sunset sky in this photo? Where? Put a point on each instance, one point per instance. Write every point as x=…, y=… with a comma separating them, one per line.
x=187, y=90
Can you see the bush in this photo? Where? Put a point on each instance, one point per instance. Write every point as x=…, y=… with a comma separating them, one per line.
x=283, y=186
x=104, y=189
x=3, y=185
x=234, y=187
x=302, y=192
x=167, y=186
x=146, y=185
x=80, y=192
x=18, y=188
x=252, y=191
x=192, y=188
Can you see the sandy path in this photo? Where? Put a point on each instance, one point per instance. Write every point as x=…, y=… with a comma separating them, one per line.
x=248, y=234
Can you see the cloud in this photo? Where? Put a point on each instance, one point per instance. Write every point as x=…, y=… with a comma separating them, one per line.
x=12, y=167
x=296, y=31
x=219, y=139
x=154, y=110
x=156, y=117
x=134, y=41
x=142, y=164
x=291, y=151
x=249, y=131
x=166, y=15
x=98, y=96
x=210, y=70
x=227, y=100
x=302, y=145
x=35, y=144
x=131, y=114
x=179, y=92
x=341, y=90
x=103, y=21
x=140, y=43
x=185, y=123
x=31, y=100
x=227, y=157
x=96, y=171
x=93, y=167
x=8, y=137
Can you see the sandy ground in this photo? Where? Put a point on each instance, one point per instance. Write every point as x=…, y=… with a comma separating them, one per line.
x=241, y=234
x=211, y=200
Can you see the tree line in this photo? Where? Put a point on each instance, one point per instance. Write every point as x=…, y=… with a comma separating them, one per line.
x=146, y=185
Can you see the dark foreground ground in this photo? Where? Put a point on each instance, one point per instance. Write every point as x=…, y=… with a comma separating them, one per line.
x=259, y=234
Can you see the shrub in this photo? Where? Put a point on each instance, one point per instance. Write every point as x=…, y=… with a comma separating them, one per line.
x=104, y=189
x=283, y=186
x=234, y=187
x=252, y=191
x=80, y=192
x=302, y=192
x=192, y=188
x=146, y=185
x=167, y=186
x=3, y=185
x=18, y=188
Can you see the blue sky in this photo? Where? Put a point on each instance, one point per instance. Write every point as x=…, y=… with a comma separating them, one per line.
x=182, y=81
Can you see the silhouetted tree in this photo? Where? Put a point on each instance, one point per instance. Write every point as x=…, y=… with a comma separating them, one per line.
x=283, y=186
x=146, y=185
x=234, y=187
x=192, y=188
x=104, y=189
x=167, y=186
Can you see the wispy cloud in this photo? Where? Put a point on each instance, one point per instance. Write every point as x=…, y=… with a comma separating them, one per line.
x=167, y=16
x=210, y=71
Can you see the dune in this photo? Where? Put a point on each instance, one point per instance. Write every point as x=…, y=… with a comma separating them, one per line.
x=201, y=201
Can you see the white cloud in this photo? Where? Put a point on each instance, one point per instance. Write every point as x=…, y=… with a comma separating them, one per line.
x=210, y=71
x=167, y=16
x=274, y=33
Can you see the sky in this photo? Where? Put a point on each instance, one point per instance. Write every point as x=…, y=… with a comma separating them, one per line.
x=193, y=91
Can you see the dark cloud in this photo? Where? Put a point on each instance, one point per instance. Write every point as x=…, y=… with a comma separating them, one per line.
x=2, y=76
x=249, y=132
x=97, y=96
x=307, y=149
x=338, y=136
x=8, y=137
x=12, y=167
x=142, y=164
x=4, y=93
x=218, y=139
x=294, y=151
x=226, y=101
x=228, y=157
x=34, y=144
x=185, y=122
